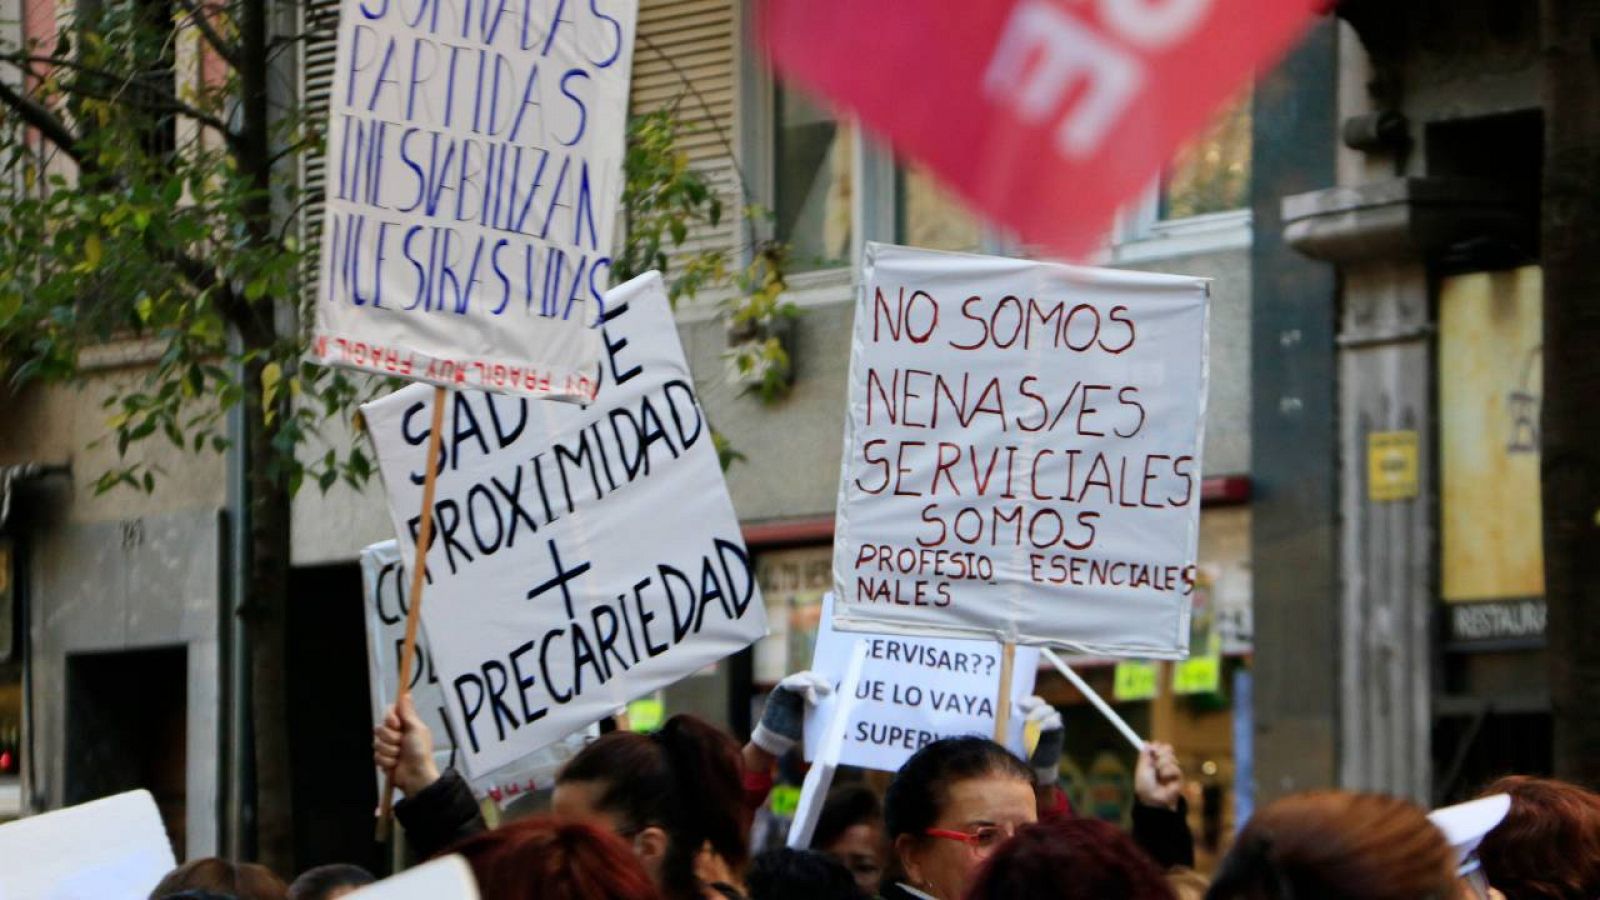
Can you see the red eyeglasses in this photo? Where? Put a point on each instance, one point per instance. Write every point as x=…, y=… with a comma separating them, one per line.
x=980, y=840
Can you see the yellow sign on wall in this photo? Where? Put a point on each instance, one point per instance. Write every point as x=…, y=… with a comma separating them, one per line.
x=1135, y=680
x=1490, y=387
x=1391, y=465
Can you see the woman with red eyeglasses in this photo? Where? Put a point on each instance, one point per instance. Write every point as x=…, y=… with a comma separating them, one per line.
x=948, y=808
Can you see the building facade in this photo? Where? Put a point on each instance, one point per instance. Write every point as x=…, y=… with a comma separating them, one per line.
x=122, y=666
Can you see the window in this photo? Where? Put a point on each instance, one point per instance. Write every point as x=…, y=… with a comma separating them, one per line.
x=813, y=181
x=1212, y=174
x=928, y=215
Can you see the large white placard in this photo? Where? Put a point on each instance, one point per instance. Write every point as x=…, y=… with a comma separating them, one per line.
x=582, y=556
x=912, y=692
x=383, y=577
x=1022, y=453
x=445, y=878
x=110, y=849
x=474, y=167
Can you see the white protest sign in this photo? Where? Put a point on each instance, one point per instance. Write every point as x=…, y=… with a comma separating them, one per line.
x=445, y=878
x=581, y=556
x=826, y=758
x=101, y=850
x=912, y=692
x=1022, y=453
x=384, y=582
x=474, y=168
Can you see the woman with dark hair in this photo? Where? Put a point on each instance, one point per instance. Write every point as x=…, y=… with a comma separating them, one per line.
x=948, y=808
x=1548, y=845
x=850, y=829
x=1330, y=844
x=216, y=876
x=675, y=795
x=1070, y=859
x=548, y=859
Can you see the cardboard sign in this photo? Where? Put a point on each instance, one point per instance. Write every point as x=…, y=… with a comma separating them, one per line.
x=110, y=849
x=384, y=579
x=912, y=692
x=1046, y=115
x=474, y=167
x=445, y=878
x=1022, y=453
x=581, y=556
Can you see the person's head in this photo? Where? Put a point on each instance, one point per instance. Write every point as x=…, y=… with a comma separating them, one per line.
x=850, y=829
x=246, y=881
x=950, y=805
x=1548, y=845
x=785, y=874
x=670, y=794
x=555, y=859
x=328, y=882
x=1070, y=859
x=1327, y=844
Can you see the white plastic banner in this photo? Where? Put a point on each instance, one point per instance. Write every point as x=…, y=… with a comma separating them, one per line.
x=1022, y=453
x=445, y=878
x=110, y=849
x=912, y=692
x=383, y=578
x=474, y=168
x=581, y=556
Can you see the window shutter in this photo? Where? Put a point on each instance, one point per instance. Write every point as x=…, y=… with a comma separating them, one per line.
x=320, y=20
x=684, y=53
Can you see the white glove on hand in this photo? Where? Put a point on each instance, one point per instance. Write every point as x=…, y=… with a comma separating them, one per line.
x=1046, y=759
x=783, y=719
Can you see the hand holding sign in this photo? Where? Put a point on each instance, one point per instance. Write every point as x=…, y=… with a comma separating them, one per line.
x=402, y=745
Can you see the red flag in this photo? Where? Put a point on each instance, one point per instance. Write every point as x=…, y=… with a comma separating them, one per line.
x=1046, y=115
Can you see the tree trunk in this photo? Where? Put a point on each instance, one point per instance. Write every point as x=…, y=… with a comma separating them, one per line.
x=265, y=610
x=1570, y=425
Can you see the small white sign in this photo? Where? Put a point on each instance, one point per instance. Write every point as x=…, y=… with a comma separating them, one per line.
x=912, y=692
x=581, y=556
x=110, y=849
x=1022, y=453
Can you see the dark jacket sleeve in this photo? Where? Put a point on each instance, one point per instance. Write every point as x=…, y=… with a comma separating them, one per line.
x=440, y=815
x=1164, y=834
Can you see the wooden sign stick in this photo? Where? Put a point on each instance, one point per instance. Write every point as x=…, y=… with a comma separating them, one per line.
x=419, y=574
x=1002, y=709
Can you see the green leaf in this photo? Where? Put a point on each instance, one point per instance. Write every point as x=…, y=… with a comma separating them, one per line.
x=10, y=305
x=92, y=251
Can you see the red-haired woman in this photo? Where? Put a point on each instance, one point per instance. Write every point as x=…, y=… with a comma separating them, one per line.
x=1070, y=859
x=1337, y=844
x=550, y=859
x=1548, y=845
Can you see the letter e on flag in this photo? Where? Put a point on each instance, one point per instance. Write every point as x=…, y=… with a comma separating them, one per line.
x=1046, y=115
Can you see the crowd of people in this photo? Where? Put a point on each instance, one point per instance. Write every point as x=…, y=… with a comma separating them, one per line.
x=667, y=816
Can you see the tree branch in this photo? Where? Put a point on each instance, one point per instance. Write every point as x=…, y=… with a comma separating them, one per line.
x=169, y=102
x=229, y=52
x=48, y=123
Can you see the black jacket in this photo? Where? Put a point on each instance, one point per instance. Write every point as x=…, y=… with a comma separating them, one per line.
x=440, y=815
x=1164, y=834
